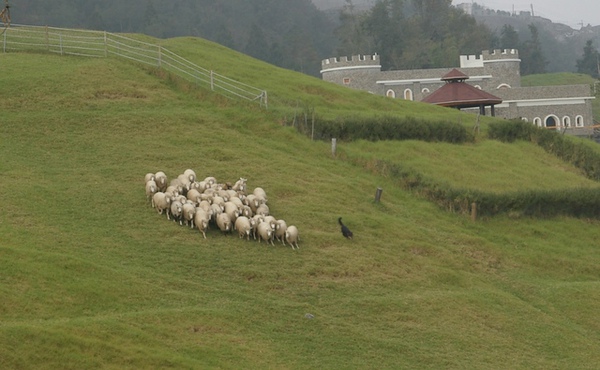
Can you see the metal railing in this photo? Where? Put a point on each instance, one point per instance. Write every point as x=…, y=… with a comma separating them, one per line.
x=64, y=41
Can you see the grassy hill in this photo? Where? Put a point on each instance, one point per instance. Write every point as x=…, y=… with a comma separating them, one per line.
x=92, y=277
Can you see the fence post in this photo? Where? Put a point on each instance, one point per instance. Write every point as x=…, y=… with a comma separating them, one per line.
x=159, y=56
x=333, y=146
x=378, y=195
x=105, y=45
x=47, y=38
x=473, y=211
x=4, y=40
x=266, y=99
x=212, y=81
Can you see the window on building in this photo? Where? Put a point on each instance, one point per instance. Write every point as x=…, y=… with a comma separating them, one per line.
x=390, y=93
x=503, y=86
x=524, y=119
x=566, y=121
x=425, y=90
x=346, y=80
x=478, y=87
x=537, y=121
x=408, y=95
x=552, y=122
x=579, y=121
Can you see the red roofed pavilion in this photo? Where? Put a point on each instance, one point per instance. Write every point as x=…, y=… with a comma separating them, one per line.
x=458, y=94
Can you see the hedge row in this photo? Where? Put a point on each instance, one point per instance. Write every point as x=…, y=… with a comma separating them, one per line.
x=564, y=147
x=386, y=128
x=535, y=203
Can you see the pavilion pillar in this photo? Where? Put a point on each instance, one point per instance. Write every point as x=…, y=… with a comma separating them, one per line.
x=493, y=110
x=482, y=109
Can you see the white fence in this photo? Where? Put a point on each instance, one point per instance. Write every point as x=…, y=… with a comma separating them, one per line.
x=19, y=38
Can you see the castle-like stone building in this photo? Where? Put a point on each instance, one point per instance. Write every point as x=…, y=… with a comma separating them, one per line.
x=567, y=107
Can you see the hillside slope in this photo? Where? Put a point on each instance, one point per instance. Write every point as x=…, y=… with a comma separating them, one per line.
x=93, y=277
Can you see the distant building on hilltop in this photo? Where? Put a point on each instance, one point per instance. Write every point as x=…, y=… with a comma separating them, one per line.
x=497, y=72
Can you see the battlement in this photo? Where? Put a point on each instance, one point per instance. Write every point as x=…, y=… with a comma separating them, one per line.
x=499, y=54
x=354, y=60
x=471, y=61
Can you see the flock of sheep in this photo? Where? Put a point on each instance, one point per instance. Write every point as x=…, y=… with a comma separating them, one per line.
x=199, y=204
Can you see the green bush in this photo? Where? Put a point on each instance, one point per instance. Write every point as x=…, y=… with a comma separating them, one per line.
x=533, y=203
x=388, y=128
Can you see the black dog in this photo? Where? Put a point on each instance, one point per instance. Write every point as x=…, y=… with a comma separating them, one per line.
x=345, y=230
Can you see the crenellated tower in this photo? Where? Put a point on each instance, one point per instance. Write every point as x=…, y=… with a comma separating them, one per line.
x=357, y=72
x=505, y=67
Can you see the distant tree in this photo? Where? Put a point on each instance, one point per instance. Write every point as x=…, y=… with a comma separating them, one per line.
x=384, y=25
x=350, y=34
x=509, y=37
x=532, y=57
x=257, y=45
x=590, y=61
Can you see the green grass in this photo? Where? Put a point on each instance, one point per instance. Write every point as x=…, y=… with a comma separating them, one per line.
x=92, y=277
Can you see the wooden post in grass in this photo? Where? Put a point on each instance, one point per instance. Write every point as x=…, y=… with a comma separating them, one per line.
x=378, y=195
x=333, y=146
x=473, y=211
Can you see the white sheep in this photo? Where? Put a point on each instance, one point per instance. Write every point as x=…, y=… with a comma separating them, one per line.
x=193, y=195
x=201, y=219
x=232, y=210
x=247, y=211
x=263, y=209
x=252, y=202
x=271, y=221
x=148, y=177
x=260, y=193
x=240, y=185
x=162, y=202
x=265, y=232
x=189, y=210
x=280, y=229
x=224, y=222
x=243, y=225
x=210, y=181
x=257, y=220
x=177, y=211
x=151, y=189
x=190, y=174
x=161, y=180
x=292, y=236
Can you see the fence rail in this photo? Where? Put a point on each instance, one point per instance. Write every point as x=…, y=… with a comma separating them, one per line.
x=101, y=44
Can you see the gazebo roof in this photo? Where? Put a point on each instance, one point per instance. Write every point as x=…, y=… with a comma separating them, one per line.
x=457, y=93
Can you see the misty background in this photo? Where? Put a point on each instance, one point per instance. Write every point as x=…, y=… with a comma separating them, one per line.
x=298, y=34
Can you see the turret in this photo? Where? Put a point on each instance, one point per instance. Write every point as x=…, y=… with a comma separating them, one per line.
x=358, y=72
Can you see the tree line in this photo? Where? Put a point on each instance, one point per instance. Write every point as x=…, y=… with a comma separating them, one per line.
x=294, y=34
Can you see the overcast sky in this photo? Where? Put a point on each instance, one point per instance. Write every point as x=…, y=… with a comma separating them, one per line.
x=569, y=12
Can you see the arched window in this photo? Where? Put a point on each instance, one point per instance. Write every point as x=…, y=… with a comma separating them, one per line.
x=566, y=121
x=552, y=121
x=579, y=121
x=537, y=121
x=390, y=93
x=425, y=90
x=478, y=87
x=503, y=86
x=524, y=119
x=408, y=95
